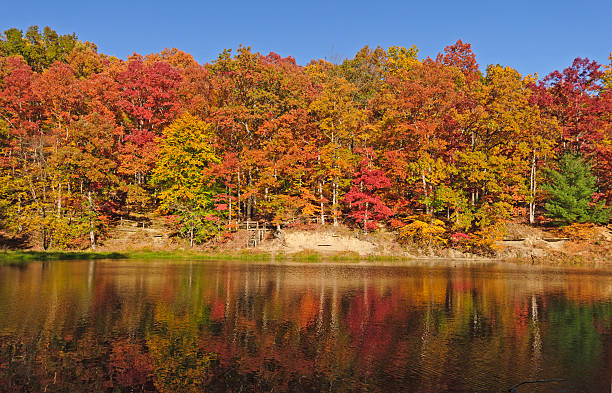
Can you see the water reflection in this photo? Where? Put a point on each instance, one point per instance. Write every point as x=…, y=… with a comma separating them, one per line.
x=180, y=327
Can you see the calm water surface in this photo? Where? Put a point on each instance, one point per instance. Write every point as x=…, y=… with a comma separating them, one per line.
x=176, y=326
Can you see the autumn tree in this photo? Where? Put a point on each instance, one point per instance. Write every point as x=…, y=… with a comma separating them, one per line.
x=147, y=103
x=338, y=119
x=364, y=199
x=89, y=162
x=185, y=153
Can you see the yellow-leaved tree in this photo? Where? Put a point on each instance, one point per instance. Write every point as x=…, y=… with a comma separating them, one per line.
x=187, y=189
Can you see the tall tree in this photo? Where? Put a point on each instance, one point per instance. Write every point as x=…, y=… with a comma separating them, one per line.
x=185, y=154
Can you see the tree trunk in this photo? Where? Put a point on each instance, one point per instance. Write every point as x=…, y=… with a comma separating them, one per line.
x=249, y=206
x=46, y=235
x=45, y=239
x=59, y=200
x=321, y=196
x=92, y=236
x=19, y=227
x=532, y=189
x=365, y=219
x=335, y=201
x=238, y=195
x=425, y=190
x=229, y=197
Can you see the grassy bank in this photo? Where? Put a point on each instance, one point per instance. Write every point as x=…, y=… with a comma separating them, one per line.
x=16, y=258
x=21, y=257
x=314, y=256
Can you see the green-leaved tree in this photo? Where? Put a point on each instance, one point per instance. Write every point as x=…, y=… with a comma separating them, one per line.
x=571, y=188
x=185, y=154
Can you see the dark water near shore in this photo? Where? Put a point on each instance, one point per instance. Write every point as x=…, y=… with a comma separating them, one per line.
x=176, y=326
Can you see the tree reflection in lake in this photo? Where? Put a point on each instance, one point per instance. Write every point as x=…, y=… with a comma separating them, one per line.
x=227, y=326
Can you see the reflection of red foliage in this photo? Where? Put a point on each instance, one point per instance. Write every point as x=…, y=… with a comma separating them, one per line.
x=368, y=322
x=129, y=364
x=521, y=319
x=462, y=285
x=217, y=312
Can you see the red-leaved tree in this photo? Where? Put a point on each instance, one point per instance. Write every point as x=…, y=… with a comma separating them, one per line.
x=366, y=205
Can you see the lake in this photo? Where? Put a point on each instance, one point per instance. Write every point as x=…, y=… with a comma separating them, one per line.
x=180, y=326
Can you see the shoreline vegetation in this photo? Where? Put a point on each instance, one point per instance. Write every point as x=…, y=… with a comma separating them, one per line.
x=388, y=153
x=19, y=257
x=22, y=257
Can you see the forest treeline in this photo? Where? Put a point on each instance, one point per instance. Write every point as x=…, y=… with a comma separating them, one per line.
x=433, y=148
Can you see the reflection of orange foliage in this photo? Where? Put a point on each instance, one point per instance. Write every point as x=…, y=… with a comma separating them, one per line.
x=345, y=327
x=308, y=309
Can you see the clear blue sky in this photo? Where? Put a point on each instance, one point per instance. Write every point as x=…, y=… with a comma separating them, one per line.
x=532, y=36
